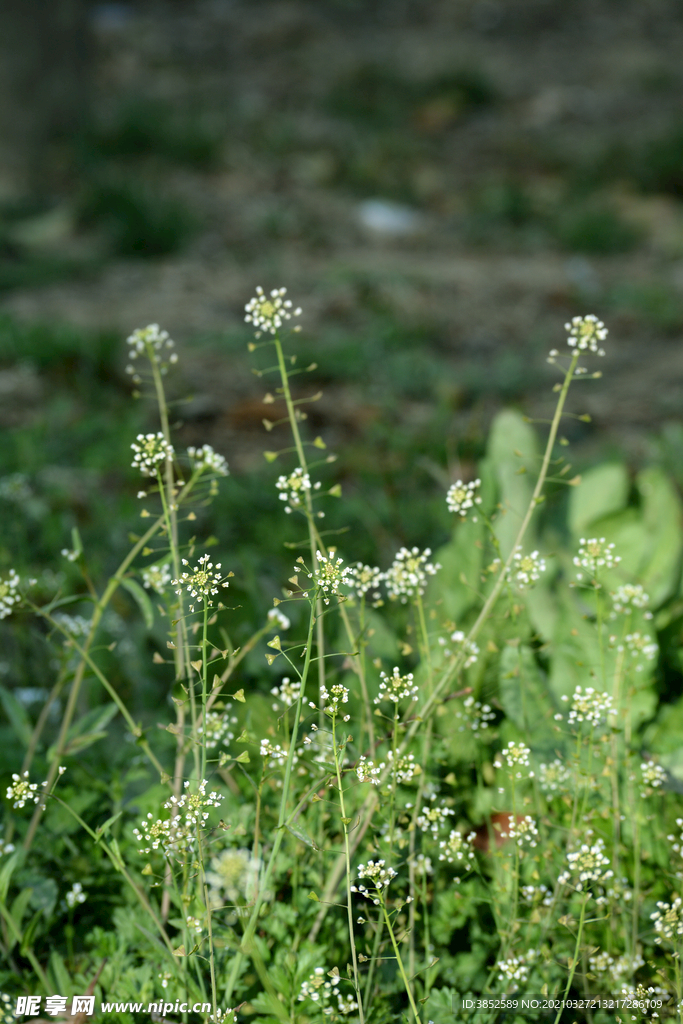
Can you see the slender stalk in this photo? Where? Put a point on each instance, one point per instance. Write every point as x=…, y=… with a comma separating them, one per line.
x=246, y=943
x=575, y=958
x=409, y=991
x=347, y=852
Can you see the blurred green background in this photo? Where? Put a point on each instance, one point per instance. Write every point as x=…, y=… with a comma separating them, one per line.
x=440, y=185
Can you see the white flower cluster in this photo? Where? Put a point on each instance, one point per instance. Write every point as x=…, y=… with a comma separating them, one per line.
x=586, y=865
x=589, y=705
x=156, y=577
x=652, y=774
x=668, y=920
x=396, y=687
x=287, y=693
x=629, y=596
x=406, y=767
x=22, y=790
x=277, y=619
x=525, y=570
x=75, y=895
x=379, y=876
x=334, y=698
x=233, y=872
x=457, y=849
x=177, y=833
x=514, y=754
x=407, y=575
x=433, y=818
x=585, y=332
x=554, y=777
x=76, y=625
x=152, y=450
x=540, y=894
x=274, y=753
x=640, y=645
x=323, y=991
x=522, y=829
x=9, y=593
x=463, y=646
x=205, y=458
x=268, y=312
x=223, y=1017
x=154, y=343
x=194, y=925
x=365, y=578
x=462, y=497
x=595, y=554
x=516, y=968
x=677, y=846
x=328, y=576
x=203, y=581
x=618, y=968
x=368, y=771
x=292, y=488
x=217, y=726
x=475, y=714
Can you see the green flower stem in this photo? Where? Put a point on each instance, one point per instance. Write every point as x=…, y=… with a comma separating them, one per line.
x=347, y=853
x=246, y=943
x=577, y=947
x=379, y=928
x=406, y=983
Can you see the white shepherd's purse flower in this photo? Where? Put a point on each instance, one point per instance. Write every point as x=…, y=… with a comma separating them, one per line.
x=269, y=312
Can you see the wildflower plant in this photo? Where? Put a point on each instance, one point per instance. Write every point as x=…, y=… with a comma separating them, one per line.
x=310, y=798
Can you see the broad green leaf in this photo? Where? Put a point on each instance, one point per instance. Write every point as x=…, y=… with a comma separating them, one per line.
x=513, y=456
x=457, y=582
x=60, y=974
x=524, y=696
x=17, y=911
x=301, y=834
x=142, y=599
x=439, y=1008
x=603, y=490
x=17, y=715
x=44, y=892
x=661, y=509
x=7, y=871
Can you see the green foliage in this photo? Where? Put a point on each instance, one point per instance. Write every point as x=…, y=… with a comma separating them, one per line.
x=533, y=719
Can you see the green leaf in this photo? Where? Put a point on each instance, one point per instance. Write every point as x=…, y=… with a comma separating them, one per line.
x=512, y=447
x=21, y=723
x=523, y=693
x=7, y=871
x=87, y=730
x=17, y=911
x=661, y=510
x=300, y=834
x=602, y=491
x=59, y=973
x=103, y=829
x=142, y=600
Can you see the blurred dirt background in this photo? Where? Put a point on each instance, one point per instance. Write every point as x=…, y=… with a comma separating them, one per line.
x=439, y=183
